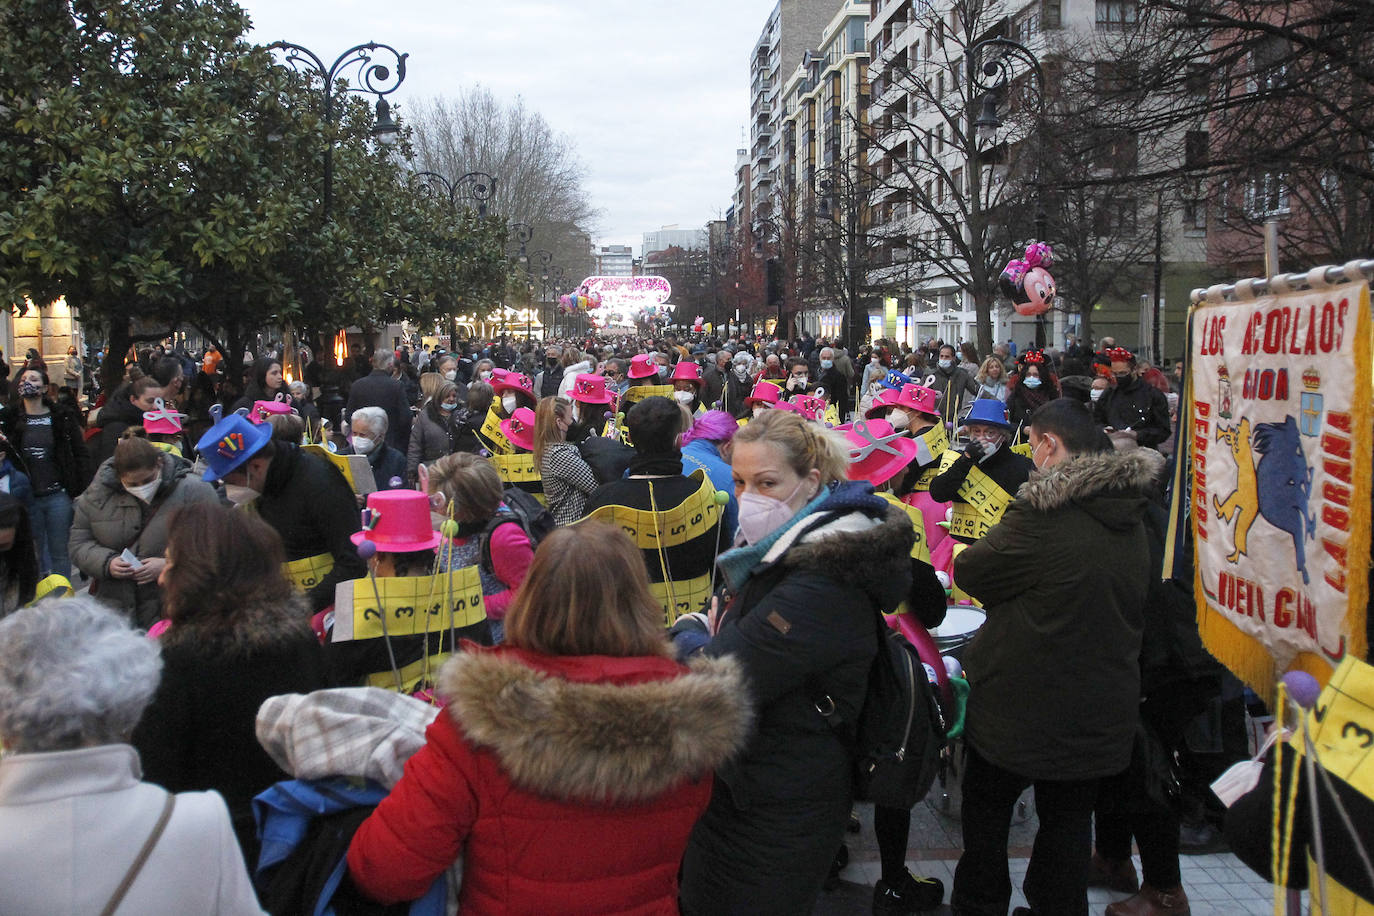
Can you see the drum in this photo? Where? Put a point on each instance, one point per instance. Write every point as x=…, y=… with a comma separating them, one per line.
x=961, y=623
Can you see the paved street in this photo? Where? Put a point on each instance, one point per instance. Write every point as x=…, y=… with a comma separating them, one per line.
x=1217, y=885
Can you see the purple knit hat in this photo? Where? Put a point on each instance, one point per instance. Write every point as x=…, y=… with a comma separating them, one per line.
x=713, y=426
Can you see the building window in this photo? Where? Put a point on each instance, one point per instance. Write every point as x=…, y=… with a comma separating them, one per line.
x=1117, y=151
x=1196, y=80
x=1117, y=14
x=1269, y=62
x=1052, y=13
x=1114, y=216
x=1266, y=195
x=1195, y=149
x=1195, y=214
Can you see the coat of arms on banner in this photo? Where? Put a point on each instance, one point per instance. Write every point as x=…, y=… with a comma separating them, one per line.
x=1281, y=450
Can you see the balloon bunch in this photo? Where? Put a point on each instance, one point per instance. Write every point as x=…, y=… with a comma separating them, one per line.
x=1027, y=281
x=652, y=314
x=580, y=301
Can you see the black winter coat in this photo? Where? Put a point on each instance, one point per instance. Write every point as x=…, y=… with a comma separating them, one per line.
x=73, y=461
x=313, y=508
x=381, y=390
x=199, y=732
x=804, y=628
x=1137, y=406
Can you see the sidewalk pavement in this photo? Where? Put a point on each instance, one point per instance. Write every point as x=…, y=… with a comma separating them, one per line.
x=1217, y=885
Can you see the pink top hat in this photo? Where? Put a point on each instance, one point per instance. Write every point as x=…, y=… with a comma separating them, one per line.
x=764, y=393
x=162, y=420
x=877, y=452
x=920, y=399
x=519, y=429
x=397, y=521
x=810, y=406
x=882, y=403
x=643, y=366
x=687, y=372
x=513, y=381
x=591, y=389
x=264, y=409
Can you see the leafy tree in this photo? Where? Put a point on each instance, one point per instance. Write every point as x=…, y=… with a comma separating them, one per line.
x=160, y=171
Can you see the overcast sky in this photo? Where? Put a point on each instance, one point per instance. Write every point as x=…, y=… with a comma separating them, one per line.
x=654, y=93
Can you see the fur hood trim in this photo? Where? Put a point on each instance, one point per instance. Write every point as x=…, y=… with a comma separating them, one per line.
x=855, y=546
x=1131, y=472
x=597, y=742
x=249, y=627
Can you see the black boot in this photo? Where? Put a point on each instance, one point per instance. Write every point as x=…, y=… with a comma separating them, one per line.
x=910, y=895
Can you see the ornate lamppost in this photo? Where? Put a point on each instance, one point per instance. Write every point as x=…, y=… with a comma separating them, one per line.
x=373, y=79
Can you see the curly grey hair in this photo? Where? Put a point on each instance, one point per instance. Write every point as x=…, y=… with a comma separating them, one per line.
x=73, y=673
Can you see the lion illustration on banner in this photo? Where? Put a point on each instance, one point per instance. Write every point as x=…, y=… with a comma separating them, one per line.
x=1276, y=488
x=1243, y=502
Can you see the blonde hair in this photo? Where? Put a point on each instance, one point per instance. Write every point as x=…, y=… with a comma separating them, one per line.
x=547, y=413
x=806, y=446
x=430, y=383
x=982, y=375
x=587, y=593
x=469, y=483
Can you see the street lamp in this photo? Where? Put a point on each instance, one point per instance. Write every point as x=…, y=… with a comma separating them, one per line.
x=476, y=187
x=542, y=259
x=993, y=78
x=763, y=227
x=373, y=79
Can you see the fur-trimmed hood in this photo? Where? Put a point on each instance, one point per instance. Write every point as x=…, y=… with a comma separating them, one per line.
x=597, y=741
x=250, y=627
x=1111, y=480
x=854, y=537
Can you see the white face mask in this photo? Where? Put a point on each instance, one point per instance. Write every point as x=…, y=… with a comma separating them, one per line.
x=363, y=445
x=451, y=374
x=509, y=402
x=1035, y=452
x=759, y=409
x=684, y=397
x=146, y=492
x=760, y=516
x=1032, y=383
x=898, y=418
x=240, y=495
x=946, y=363
x=800, y=381
x=1096, y=393
x=484, y=375
x=741, y=370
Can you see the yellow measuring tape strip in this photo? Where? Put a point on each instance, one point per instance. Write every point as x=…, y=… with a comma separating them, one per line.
x=640, y=392
x=53, y=586
x=308, y=572
x=415, y=604
x=413, y=676
x=920, y=550
x=984, y=502
x=693, y=518
x=682, y=596
x=492, y=436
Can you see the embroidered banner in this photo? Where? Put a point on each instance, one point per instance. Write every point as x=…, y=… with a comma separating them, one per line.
x=1281, y=451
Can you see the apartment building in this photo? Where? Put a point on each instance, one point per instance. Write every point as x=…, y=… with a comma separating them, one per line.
x=920, y=98
x=792, y=28
x=615, y=261
x=824, y=113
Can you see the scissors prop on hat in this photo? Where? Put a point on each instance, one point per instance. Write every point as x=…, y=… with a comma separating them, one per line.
x=162, y=412
x=872, y=444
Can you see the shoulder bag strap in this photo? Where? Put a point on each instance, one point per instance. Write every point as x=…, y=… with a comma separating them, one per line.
x=118, y=896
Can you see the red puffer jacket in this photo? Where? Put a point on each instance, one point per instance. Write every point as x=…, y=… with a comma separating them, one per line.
x=568, y=783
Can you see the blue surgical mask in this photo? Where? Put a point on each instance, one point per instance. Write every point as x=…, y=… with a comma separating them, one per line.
x=827, y=364
x=1032, y=383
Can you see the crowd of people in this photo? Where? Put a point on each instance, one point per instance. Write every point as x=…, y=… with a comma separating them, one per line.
x=585, y=626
